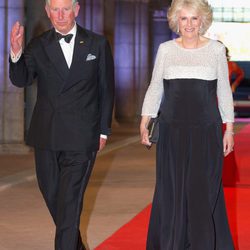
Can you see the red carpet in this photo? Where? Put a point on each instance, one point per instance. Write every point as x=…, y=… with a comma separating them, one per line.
x=132, y=236
x=236, y=170
x=238, y=207
x=236, y=175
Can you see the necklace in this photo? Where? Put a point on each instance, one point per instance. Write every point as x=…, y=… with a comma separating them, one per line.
x=195, y=47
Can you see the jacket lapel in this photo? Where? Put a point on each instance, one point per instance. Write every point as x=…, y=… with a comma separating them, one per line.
x=55, y=54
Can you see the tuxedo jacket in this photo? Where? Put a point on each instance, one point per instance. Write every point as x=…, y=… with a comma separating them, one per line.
x=74, y=105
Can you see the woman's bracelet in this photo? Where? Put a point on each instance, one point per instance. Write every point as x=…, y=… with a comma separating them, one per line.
x=230, y=132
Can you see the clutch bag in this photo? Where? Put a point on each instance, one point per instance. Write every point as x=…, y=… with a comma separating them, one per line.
x=153, y=130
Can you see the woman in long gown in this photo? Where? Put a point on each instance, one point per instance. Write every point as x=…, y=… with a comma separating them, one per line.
x=190, y=88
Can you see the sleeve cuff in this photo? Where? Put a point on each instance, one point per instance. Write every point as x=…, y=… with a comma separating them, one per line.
x=104, y=136
x=151, y=115
x=228, y=121
x=15, y=58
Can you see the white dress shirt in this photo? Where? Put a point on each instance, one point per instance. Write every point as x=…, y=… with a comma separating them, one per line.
x=68, y=48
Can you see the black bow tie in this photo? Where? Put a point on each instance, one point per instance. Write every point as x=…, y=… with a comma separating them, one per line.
x=67, y=38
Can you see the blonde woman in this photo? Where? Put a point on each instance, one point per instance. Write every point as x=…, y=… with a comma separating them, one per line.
x=190, y=88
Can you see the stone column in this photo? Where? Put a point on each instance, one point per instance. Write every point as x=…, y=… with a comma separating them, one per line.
x=11, y=98
x=131, y=57
x=36, y=23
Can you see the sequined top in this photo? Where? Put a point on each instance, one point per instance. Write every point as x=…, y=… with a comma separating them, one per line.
x=174, y=62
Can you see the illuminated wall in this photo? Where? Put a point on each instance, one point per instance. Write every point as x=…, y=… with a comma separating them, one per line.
x=231, y=22
x=91, y=15
x=131, y=57
x=11, y=98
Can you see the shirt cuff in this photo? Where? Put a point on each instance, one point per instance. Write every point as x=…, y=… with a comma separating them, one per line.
x=104, y=136
x=228, y=121
x=15, y=58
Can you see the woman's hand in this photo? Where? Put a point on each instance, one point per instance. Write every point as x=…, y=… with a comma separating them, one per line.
x=144, y=137
x=228, y=142
x=144, y=131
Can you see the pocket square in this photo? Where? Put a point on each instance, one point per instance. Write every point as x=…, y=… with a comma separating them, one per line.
x=90, y=57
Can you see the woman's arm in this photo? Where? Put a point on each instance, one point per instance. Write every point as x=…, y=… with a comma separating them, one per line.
x=225, y=101
x=153, y=95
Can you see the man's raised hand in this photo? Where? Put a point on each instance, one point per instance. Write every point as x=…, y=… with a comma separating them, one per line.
x=16, y=37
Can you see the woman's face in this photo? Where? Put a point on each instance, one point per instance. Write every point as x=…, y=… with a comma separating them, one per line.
x=189, y=23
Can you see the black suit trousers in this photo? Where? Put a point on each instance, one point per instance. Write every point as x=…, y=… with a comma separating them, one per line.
x=62, y=178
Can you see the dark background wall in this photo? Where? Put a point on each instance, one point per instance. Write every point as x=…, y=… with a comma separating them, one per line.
x=135, y=28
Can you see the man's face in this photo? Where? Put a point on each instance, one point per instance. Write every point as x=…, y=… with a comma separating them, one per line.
x=62, y=14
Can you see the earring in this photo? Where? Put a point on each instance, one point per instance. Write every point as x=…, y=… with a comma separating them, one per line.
x=200, y=29
x=178, y=30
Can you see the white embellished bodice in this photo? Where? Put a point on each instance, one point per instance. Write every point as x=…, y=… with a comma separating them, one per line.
x=206, y=63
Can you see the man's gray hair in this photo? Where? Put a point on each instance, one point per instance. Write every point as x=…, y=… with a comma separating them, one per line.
x=73, y=1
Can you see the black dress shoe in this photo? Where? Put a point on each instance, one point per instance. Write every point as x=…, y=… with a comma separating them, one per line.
x=82, y=248
x=80, y=245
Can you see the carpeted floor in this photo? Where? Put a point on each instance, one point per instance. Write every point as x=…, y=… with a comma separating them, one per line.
x=132, y=236
x=236, y=179
x=236, y=170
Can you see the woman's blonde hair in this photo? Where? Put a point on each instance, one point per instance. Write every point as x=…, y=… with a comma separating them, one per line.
x=201, y=6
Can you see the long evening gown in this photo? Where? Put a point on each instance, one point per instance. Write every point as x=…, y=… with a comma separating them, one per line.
x=188, y=211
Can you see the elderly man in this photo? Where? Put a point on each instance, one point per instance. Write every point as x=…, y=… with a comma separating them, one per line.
x=72, y=116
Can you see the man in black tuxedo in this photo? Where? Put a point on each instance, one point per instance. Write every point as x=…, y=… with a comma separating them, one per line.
x=72, y=116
